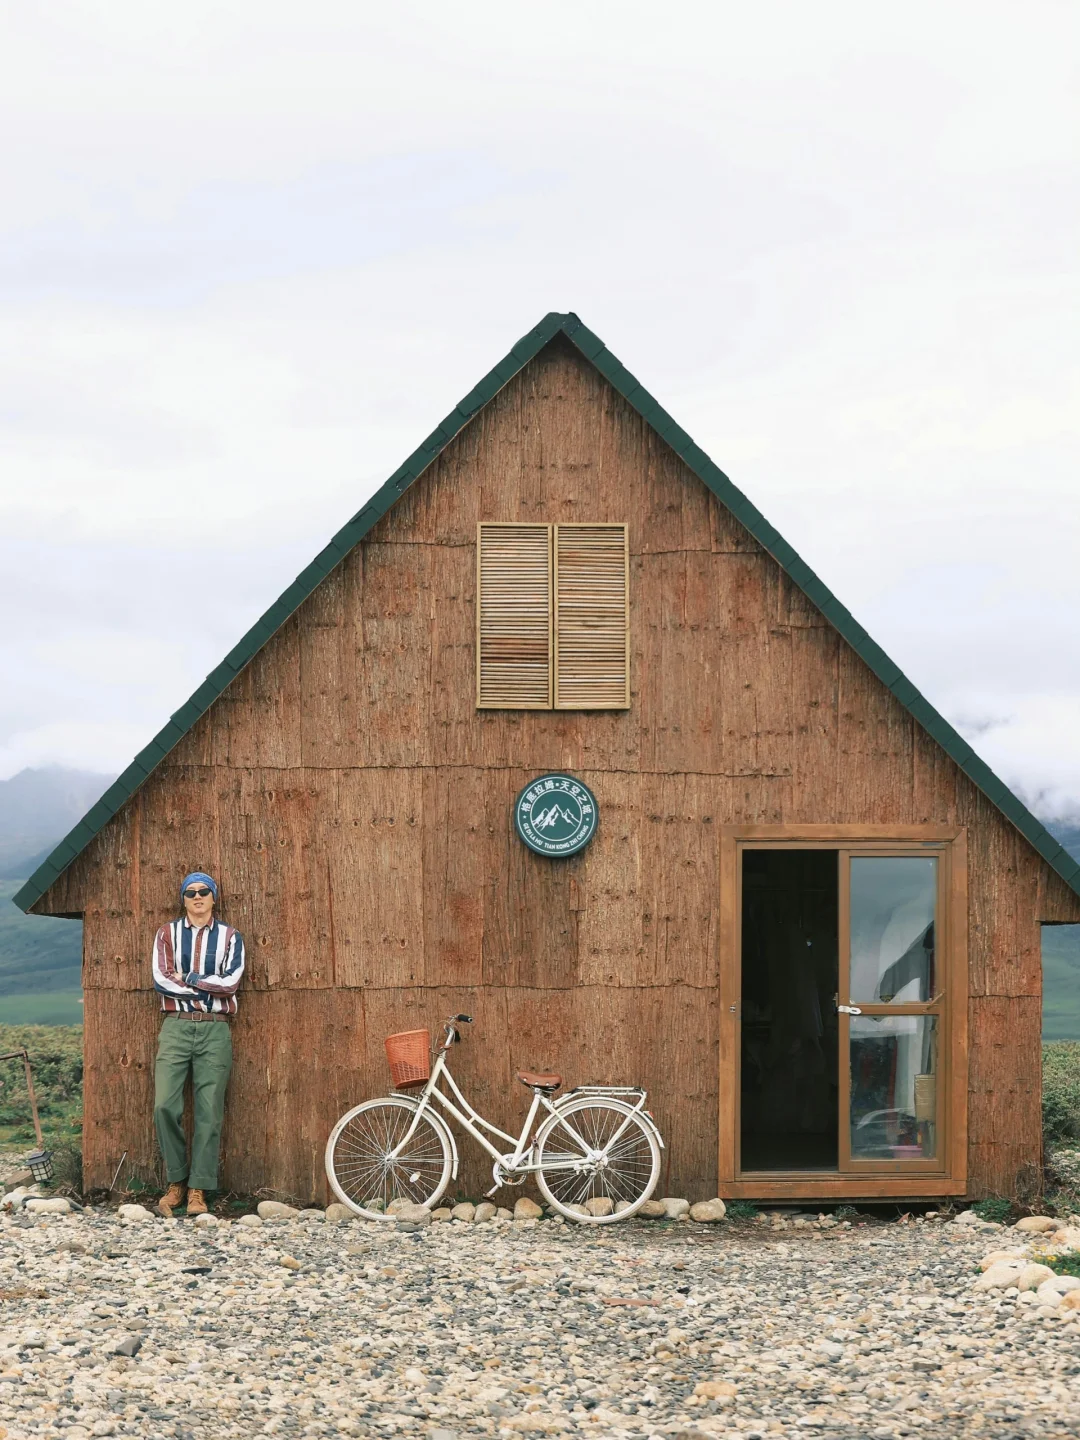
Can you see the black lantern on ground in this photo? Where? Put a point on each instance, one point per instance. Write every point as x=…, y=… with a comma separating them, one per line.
x=41, y=1166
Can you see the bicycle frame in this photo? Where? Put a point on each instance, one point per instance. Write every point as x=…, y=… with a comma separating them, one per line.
x=521, y=1159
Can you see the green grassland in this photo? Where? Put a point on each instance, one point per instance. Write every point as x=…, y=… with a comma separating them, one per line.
x=47, y=1007
x=56, y=1056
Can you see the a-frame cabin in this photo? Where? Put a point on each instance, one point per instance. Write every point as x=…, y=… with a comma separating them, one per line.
x=808, y=919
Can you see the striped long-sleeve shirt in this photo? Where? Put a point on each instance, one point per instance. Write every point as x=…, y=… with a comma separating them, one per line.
x=198, y=967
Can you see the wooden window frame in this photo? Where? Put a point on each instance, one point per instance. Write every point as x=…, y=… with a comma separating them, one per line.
x=904, y=1179
x=553, y=700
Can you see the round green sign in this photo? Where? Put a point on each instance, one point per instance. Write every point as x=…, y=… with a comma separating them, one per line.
x=556, y=815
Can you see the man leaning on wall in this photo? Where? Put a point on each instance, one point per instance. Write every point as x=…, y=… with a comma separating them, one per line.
x=198, y=964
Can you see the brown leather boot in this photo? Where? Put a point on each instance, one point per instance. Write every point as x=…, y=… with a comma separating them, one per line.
x=173, y=1197
x=196, y=1203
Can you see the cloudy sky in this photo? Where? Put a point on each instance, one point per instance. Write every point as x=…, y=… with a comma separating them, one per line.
x=250, y=253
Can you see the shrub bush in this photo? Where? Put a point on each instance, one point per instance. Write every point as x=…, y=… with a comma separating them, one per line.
x=994, y=1209
x=1061, y=1093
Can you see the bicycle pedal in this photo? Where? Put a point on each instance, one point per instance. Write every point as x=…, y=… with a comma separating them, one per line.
x=493, y=1191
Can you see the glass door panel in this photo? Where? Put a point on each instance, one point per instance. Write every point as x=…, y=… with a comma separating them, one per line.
x=893, y=905
x=893, y=1105
x=892, y=1006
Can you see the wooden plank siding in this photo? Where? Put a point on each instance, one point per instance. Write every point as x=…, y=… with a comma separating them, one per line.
x=357, y=808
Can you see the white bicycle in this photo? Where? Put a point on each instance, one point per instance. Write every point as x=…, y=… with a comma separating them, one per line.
x=595, y=1154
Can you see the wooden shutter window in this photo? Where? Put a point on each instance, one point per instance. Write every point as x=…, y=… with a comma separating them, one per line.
x=592, y=617
x=513, y=617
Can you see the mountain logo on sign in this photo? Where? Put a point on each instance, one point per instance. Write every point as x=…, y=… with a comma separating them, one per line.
x=555, y=815
x=547, y=818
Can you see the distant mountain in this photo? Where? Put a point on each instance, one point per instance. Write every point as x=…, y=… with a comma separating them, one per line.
x=22, y=866
x=38, y=808
x=40, y=956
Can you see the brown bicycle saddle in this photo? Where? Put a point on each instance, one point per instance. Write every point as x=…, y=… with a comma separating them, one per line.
x=539, y=1082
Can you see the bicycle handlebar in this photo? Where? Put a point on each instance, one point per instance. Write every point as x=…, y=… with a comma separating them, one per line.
x=450, y=1031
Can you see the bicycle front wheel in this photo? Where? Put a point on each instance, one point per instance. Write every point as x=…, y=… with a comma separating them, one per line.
x=367, y=1176
x=599, y=1161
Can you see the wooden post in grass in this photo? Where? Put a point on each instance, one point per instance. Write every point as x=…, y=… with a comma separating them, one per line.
x=24, y=1056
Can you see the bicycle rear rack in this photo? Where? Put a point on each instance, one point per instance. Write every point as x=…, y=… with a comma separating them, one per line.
x=606, y=1090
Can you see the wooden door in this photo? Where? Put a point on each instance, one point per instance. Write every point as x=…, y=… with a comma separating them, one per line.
x=901, y=999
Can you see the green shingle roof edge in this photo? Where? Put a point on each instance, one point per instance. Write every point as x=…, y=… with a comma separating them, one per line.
x=594, y=350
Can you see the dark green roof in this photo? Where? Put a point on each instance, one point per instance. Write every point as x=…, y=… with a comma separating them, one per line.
x=349, y=535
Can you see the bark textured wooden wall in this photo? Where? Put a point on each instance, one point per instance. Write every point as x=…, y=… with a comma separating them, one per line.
x=357, y=808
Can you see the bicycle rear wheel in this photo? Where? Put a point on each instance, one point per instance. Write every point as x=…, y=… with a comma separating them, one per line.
x=597, y=1150
x=363, y=1173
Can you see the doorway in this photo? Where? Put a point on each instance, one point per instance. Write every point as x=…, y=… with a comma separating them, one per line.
x=843, y=1011
x=790, y=1035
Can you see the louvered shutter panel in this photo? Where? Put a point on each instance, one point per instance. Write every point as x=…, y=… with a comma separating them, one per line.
x=513, y=610
x=592, y=610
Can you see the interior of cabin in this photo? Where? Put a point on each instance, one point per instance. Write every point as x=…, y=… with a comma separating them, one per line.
x=790, y=969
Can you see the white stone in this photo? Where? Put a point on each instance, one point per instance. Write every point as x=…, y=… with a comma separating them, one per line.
x=56, y=1206
x=830, y=1349
x=674, y=1208
x=312, y=1214
x=465, y=1211
x=207, y=1221
x=1035, y=1224
x=443, y=1213
x=254, y=1221
x=134, y=1212
x=999, y=1257
x=413, y=1215
x=526, y=1209
x=999, y=1276
x=503, y=1214
x=1032, y=1276
x=599, y=1205
x=484, y=1211
x=276, y=1210
x=1062, y=1284
x=707, y=1212
x=337, y=1213
x=652, y=1210
x=14, y=1198
x=1048, y=1294
x=967, y=1217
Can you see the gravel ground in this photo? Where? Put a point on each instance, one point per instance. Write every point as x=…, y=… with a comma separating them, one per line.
x=306, y=1327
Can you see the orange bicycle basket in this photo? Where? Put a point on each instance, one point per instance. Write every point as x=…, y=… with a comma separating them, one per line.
x=409, y=1055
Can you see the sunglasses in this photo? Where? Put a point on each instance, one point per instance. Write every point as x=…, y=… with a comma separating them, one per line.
x=197, y=892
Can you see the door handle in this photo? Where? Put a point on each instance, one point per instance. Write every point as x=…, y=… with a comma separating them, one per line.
x=848, y=1010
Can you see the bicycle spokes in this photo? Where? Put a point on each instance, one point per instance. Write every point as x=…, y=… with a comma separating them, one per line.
x=374, y=1167
x=595, y=1151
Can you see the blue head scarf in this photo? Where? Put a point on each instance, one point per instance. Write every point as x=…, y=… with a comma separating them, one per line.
x=198, y=878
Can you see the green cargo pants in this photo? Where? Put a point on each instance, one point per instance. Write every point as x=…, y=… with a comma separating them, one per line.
x=203, y=1048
